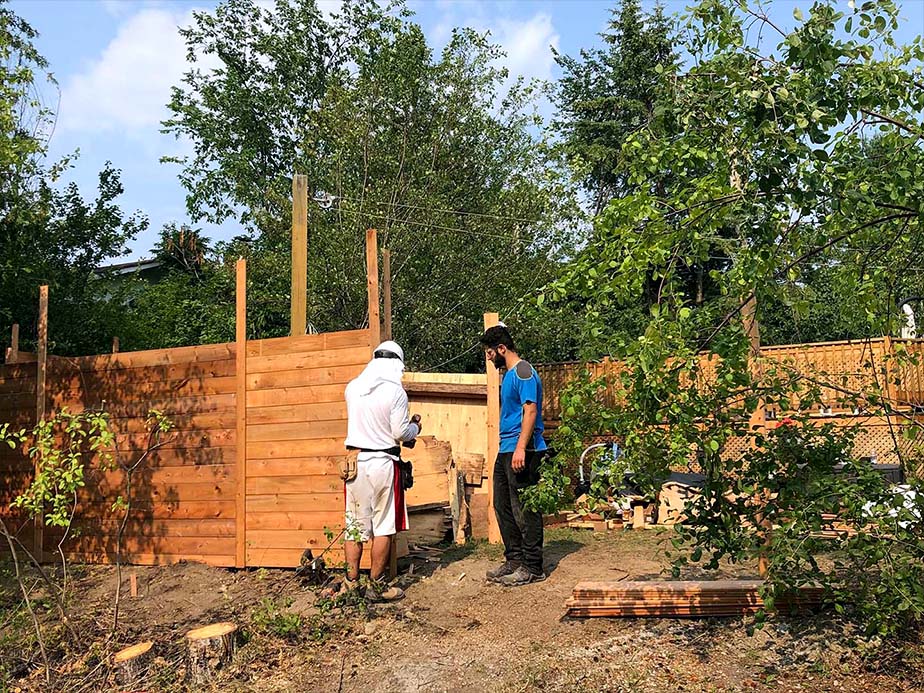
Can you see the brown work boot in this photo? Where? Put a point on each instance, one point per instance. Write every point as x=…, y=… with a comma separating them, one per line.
x=379, y=591
x=506, y=568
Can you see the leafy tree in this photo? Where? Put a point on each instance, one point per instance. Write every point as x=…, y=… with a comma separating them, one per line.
x=771, y=165
x=431, y=150
x=49, y=235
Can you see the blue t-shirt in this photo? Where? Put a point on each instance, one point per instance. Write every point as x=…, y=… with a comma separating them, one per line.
x=521, y=384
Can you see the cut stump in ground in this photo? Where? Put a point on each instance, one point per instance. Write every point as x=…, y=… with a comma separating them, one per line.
x=208, y=649
x=131, y=664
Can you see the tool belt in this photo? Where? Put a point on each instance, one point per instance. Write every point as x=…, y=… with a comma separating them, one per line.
x=405, y=468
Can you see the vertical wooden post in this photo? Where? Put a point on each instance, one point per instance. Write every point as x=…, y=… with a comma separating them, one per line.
x=372, y=286
x=115, y=345
x=386, y=278
x=41, y=369
x=299, y=253
x=493, y=377
x=888, y=372
x=12, y=353
x=240, y=404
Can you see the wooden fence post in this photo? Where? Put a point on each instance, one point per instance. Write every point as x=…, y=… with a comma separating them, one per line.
x=299, y=254
x=386, y=286
x=41, y=368
x=372, y=286
x=493, y=378
x=115, y=345
x=240, y=399
x=13, y=352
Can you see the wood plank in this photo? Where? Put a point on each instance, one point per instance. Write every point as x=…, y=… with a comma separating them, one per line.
x=460, y=391
x=305, y=484
x=295, y=466
x=493, y=432
x=289, y=538
x=40, y=402
x=318, y=499
x=170, y=406
x=146, y=527
x=296, y=520
x=139, y=558
x=298, y=413
x=165, y=475
x=290, y=558
x=224, y=420
x=308, y=343
x=321, y=447
x=164, y=510
x=155, y=357
x=204, y=546
x=386, y=286
x=260, y=433
x=172, y=492
x=372, y=287
x=471, y=466
x=240, y=413
x=309, y=360
x=180, y=439
x=308, y=376
x=310, y=394
x=108, y=392
x=298, y=295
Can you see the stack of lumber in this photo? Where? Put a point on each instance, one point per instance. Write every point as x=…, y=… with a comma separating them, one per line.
x=693, y=598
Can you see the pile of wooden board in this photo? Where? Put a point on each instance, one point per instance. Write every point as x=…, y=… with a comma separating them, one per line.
x=693, y=598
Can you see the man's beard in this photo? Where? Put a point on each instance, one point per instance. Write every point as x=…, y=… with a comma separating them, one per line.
x=499, y=362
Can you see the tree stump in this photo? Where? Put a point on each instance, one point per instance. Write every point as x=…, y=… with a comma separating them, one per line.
x=131, y=664
x=208, y=649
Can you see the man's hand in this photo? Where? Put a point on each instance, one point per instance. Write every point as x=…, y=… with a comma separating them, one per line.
x=416, y=420
x=518, y=462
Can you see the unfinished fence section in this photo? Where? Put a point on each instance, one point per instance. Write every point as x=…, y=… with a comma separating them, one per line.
x=295, y=428
x=18, y=409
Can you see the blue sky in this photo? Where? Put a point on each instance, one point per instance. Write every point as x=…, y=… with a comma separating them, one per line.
x=115, y=61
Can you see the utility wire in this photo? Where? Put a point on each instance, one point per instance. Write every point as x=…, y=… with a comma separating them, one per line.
x=446, y=210
x=440, y=227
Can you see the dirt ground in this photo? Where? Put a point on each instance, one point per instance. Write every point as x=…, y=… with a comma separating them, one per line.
x=453, y=632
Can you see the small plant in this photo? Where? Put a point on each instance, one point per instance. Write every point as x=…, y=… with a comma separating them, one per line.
x=271, y=617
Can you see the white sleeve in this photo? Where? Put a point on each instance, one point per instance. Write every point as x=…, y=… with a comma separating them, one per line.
x=401, y=427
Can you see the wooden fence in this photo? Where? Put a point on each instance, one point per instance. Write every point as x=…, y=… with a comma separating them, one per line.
x=892, y=367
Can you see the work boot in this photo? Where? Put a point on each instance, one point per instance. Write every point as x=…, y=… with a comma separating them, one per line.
x=348, y=586
x=379, y=591
x=506, y=568
x=521, y=576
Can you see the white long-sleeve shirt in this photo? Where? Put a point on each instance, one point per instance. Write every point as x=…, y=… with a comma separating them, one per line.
x=380, y=419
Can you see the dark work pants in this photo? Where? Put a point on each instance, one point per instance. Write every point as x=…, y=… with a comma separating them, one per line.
x=520, y=529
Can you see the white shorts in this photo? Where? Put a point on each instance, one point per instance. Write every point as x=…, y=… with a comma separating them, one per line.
x=370, y=499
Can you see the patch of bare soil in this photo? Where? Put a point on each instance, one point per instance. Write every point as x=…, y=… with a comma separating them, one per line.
x=456, y=632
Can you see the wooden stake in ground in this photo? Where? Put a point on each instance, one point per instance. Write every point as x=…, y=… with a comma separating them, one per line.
x=208, y=649
x=372, y=286
x=41, y=368
x=131, y=664
x=299, y=299
x=386, y=288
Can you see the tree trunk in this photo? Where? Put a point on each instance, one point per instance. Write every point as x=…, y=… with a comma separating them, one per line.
x=208, y=649
x=131, y=664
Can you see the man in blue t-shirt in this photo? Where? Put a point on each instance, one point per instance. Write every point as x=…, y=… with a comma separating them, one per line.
x=521, y=451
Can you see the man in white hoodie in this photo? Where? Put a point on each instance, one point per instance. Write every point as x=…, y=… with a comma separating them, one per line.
x=378, y=421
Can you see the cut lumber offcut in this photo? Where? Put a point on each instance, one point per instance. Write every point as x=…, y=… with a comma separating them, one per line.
x=131, y=664
x=472, y=466
x=665, y=599
x=208, y=649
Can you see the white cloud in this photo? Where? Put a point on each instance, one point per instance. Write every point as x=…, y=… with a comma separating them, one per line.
x=126, y=89
x=528, y=45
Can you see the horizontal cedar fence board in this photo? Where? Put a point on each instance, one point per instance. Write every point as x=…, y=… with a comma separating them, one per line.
x=323, y=484
x=291, y=558
x=153, y=357
x=295, y=466
x=181, y=457
x=178, y=439
x=175, y=545
x=306, y=376
x=261, y=433
x=196, y=491
x=180, y=423
x=321, y=447
x=11, y=372
x=297, y=413
x=175, y=389
x=290, y=538
x=459, y=391
x=312, y=499
x=67, y=376
x=306, y=360
x=163, y=475
x=141, y=558
x=310, y=343
x=172, y=407
x=295, y=395
x=164, y=510
x=145, y=527
x=296, y=520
